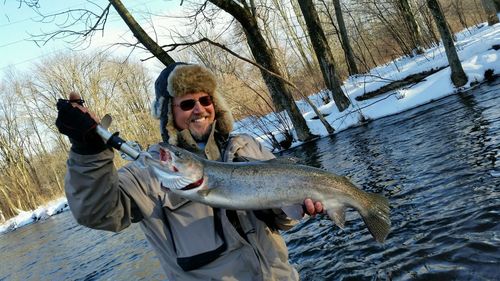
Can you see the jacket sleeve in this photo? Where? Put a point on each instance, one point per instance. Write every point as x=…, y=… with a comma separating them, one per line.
x=245, y=148
x=94, y=191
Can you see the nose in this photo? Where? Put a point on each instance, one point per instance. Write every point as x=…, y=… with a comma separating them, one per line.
x=198, y=107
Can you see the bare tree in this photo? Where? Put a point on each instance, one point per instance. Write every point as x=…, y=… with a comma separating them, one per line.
x=106, y=84
x=297, y=44
x=346, y=46
x=16, y=170
x=363, y=44
x=458, y=76
x=140, y=34
x=323, y=54
x=457, y=6
x=264, y=55
x=32, y=152
x=428, y=30
x=411, y=25
x=94, y=20
x=262, y=52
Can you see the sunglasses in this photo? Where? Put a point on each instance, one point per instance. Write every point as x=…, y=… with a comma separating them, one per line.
x=187, y=105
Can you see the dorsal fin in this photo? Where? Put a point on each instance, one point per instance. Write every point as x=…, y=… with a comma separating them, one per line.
x=283, y=160
x=278, y=160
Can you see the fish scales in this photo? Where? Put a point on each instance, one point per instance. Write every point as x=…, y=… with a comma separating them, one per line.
x=299, y=182
x=265, y=185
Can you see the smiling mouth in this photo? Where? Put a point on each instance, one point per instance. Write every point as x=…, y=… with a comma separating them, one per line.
x=199, y=120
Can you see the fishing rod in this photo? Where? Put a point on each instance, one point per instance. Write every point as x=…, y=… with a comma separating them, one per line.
x=114, y=140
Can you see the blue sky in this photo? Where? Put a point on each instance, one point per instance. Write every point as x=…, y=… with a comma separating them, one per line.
x=17, y=22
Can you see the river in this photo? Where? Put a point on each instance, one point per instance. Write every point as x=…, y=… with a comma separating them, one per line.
x=438, y=164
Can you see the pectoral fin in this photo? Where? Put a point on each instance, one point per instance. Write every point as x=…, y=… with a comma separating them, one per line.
x=337, y=214
x=295, y=212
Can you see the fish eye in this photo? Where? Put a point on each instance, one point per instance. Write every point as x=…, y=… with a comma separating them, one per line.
x=177, y=154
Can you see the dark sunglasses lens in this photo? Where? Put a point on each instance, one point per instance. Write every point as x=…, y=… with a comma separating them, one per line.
x=187, y=104
x=205, y=101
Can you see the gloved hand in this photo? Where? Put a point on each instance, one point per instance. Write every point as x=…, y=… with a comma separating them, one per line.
x=74, y=121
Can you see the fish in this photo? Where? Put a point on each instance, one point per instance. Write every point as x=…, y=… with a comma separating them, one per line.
x=267, y=184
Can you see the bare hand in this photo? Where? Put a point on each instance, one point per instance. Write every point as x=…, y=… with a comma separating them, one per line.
x=313, y=208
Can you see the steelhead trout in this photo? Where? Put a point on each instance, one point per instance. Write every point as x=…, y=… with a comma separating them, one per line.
x=266, y=185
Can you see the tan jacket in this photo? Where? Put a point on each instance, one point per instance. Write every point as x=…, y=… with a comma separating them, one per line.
x=193, y=241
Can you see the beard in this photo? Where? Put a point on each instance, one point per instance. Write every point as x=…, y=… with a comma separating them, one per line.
x=201, y=137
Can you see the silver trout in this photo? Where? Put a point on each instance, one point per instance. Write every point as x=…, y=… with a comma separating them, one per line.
x=266, y=185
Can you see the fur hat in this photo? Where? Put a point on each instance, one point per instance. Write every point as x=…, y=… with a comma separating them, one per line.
x=179, y=79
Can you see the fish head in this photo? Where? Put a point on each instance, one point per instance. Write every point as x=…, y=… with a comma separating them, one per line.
x=179, y=169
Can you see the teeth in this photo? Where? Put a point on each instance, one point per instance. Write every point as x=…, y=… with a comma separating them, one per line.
x=199, y=120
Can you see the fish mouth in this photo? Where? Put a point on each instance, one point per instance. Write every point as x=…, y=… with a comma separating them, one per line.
x=190, y=186
x=167, y=159
x=175, y=178
x=193, y=185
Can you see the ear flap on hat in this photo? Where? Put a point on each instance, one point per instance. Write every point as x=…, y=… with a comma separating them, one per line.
x=160, y=107
x=223, y=114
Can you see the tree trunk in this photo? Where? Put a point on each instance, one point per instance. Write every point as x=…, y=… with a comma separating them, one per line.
x=414, y=30
x=294, y=38
x=140, y=34
x=349, y=54
x=323, y=53
x=491, y=11
x=263, y=54
x=458, y=76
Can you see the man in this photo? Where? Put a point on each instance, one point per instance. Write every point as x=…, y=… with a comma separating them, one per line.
x=193, y=241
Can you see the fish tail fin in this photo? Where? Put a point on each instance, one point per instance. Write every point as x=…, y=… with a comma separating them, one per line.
x=376, y=216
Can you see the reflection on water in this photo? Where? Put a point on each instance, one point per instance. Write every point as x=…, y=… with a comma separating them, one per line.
x=59, y=249
x=437, y=164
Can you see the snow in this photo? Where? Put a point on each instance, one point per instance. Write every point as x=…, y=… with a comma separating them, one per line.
x=474, y=47
x=41, y=213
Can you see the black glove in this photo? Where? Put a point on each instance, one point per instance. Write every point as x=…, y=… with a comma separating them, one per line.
x=80, y=127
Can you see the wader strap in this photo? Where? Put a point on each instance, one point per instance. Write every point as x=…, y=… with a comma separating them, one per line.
x=197, y=261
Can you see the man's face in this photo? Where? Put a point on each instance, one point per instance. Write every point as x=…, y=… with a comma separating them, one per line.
x=195, y=112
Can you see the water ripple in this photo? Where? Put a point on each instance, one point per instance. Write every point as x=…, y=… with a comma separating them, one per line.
x=438, y=166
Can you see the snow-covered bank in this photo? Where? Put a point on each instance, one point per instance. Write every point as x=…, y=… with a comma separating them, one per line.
x=475, y=50
x=41, y=213
x=474, y=47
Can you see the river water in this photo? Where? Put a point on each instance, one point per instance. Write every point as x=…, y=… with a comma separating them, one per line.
x=438, y=164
